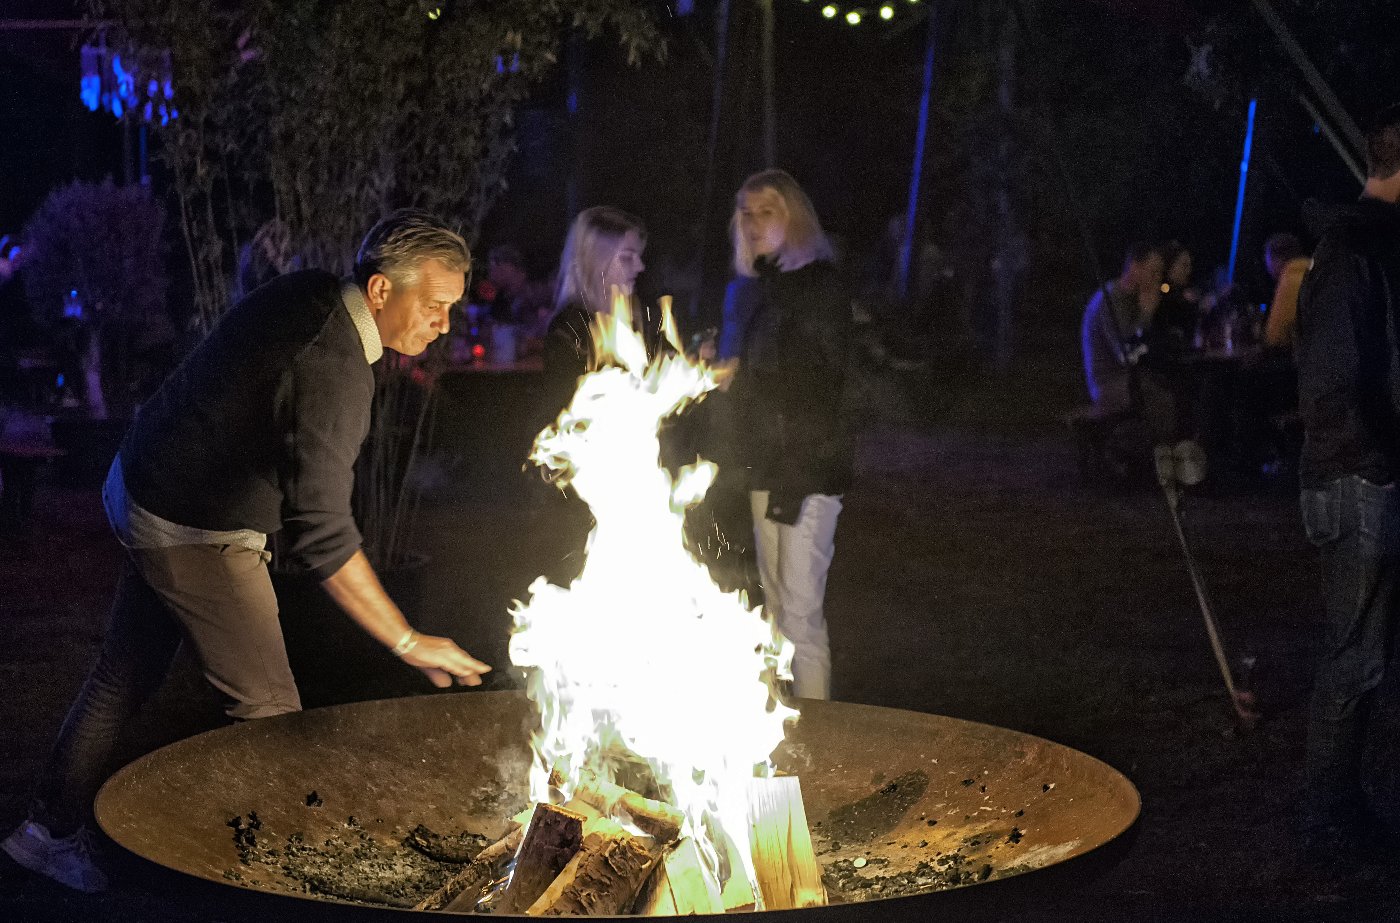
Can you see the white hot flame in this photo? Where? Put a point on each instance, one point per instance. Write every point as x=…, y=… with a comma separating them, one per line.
x=644, y=653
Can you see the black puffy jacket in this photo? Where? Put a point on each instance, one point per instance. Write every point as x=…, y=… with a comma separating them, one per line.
x=791, y=332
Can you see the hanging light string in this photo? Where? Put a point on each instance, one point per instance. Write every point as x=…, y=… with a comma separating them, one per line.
x=855, y=15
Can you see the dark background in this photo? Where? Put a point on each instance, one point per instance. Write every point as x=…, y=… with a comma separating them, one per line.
x=976, y=576
x=1111, y=141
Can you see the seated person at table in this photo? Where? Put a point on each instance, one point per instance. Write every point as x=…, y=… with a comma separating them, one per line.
x=515, y=297
x=1287, y=263
x=1174, y=324
x=1114, y=320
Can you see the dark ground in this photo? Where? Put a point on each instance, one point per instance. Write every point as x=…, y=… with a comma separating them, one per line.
x=974, y=577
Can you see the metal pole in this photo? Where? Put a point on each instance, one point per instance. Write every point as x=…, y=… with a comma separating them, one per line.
x=1244, y=180
x=1338, y=144
x=128, y=155
x=1212, y=630
x=58, y=25
x=911, y=211
x=1170, y=479
x=574, y=90
x=770, y=131
x=1330, y=103
x=143, y=172
x=711, y=151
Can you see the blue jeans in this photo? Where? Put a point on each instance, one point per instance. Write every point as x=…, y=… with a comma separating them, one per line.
x=1356, y=526
x=136, y=652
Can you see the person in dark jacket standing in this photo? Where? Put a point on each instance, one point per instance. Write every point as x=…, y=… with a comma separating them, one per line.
x=1349, y=398
x=787, y=321
x=256, y=431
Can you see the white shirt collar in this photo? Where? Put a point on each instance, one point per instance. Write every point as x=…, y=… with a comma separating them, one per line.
x=355, y=303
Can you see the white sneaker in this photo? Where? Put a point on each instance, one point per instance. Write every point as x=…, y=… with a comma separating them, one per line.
x=67, y=860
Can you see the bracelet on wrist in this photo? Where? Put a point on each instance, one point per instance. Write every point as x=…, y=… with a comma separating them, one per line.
x=407, y=643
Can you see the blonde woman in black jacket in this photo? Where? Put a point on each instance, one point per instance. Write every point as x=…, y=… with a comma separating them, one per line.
x=603, y=250
x=787, y=326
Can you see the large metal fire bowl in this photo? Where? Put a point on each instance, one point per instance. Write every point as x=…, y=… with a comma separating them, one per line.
x=1024, y=812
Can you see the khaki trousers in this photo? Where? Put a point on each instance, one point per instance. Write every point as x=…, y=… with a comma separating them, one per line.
x=222, y=599
x=216, y=598
x=792, y=565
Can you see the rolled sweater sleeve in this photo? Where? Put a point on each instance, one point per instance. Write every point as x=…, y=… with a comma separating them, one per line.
x=324, y=407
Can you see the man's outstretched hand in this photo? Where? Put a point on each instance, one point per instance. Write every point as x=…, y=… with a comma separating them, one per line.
x=442, y=661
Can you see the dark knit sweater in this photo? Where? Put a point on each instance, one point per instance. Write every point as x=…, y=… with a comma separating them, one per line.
x=260, y=426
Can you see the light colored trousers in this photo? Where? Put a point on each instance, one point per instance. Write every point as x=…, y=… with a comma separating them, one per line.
x=792, y=565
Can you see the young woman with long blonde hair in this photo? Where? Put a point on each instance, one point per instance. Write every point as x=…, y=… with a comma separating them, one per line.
x=787, y=320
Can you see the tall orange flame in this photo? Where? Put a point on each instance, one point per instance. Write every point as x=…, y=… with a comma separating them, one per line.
x=643, y=654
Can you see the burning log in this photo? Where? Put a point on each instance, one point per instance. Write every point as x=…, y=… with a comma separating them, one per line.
x=681, y=886
x=461, y=848
x=737, y=894
x=781, y=844
x=551, y=842
x=460, y=891
x=652, y=817
x=603, y=878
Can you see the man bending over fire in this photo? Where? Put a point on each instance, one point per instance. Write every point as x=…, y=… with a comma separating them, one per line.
x=257, y=430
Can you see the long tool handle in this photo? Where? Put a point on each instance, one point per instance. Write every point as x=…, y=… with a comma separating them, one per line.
x=1211, y=629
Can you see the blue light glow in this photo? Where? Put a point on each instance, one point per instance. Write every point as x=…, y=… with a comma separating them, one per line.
x=90, y=91
x=125, y=88
x=123, y=82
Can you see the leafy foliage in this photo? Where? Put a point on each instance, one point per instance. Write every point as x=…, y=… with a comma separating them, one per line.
x=104, y=242
x=329, y=115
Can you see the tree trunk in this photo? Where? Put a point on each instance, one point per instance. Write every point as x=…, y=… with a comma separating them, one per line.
x=770, y=128
x=92, y=377
x=1009, y=262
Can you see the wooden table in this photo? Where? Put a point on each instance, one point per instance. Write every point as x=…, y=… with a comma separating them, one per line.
x=529, y=365
x=486, y=419
x=1230, y=395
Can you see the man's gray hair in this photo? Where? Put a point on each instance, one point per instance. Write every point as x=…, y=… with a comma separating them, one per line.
x=401, y=241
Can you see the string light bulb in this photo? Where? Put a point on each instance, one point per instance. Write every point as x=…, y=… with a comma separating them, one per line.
x=853, y=17
x=435, y=12
x=887, y=12
x=829, y=11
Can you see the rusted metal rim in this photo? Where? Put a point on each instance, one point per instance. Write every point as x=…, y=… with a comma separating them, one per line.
x=1036, y=814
